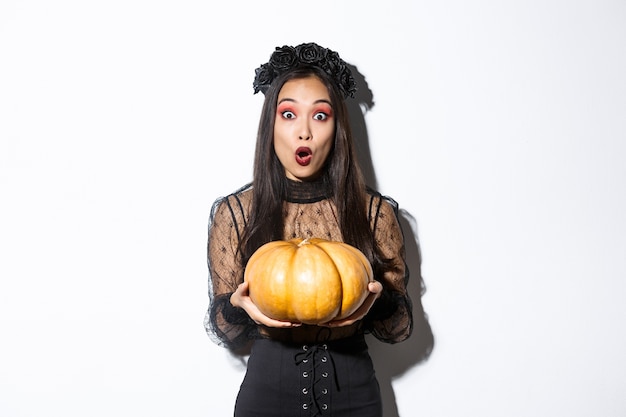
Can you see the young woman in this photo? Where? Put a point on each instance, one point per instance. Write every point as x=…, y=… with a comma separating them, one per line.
x=306, y=183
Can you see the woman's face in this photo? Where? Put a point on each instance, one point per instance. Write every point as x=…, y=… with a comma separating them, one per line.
x=304, y=128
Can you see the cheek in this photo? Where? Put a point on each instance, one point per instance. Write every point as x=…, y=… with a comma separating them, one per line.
x=327, y=147
x=279, y=137
x=329, y=136
x=281, y=149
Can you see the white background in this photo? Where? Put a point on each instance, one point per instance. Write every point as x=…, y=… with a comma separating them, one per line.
x=499, y=127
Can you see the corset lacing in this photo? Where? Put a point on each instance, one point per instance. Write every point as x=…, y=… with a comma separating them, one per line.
x=318, y=366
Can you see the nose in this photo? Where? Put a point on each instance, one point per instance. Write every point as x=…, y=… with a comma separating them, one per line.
x=305, y=131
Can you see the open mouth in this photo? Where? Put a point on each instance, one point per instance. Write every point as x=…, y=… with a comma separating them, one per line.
x=304, y=155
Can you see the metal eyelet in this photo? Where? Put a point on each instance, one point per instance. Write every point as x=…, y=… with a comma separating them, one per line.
x=305, y=391
x=305, y=374
x=324, y=391
x=324, y=359
x=325, y=374
x=324, y=406
x=305, y=406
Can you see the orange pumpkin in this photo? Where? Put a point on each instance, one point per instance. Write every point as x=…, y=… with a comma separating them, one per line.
x=309, y=281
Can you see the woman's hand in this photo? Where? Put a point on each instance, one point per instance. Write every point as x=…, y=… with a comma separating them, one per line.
x=375, y=288
x=241, y=298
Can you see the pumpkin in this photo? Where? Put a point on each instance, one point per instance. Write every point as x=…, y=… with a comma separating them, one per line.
x=310, y=281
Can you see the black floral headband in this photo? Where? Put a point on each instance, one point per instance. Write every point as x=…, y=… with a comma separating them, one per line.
x=289, y=58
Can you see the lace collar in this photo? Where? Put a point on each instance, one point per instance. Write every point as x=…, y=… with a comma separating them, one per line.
x=307, y=191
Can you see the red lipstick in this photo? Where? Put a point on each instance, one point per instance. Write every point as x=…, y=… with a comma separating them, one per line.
x=304, y=155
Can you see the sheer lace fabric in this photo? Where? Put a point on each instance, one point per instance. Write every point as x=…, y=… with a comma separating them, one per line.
x=309, y=212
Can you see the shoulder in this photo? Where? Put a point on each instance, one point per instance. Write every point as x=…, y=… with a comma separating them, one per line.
x=235, y=204
x=380, y=204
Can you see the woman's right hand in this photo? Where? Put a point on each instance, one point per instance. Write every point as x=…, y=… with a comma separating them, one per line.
x=241, y=298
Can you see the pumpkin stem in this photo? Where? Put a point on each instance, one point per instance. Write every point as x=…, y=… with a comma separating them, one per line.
x=304, y=242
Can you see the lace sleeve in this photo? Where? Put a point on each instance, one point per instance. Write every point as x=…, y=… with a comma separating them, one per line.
x=227, y=325
x=391, y=318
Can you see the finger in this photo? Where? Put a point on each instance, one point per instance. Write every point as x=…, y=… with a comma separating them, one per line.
x=375, y=287
x=280, y=324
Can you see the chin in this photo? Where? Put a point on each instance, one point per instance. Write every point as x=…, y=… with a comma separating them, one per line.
x=300, y=177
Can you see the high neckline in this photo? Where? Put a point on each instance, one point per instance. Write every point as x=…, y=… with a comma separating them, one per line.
x=307, y=191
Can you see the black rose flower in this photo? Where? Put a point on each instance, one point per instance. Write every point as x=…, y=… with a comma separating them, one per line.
x=333, y=64
x=310, y=53
x=283, y=58
x=346, y=82
x=263, y=78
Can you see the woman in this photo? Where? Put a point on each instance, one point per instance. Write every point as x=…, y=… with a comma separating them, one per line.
x=306, y=183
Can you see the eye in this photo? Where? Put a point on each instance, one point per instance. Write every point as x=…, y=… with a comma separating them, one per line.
x=288, y=114
x=321, y=116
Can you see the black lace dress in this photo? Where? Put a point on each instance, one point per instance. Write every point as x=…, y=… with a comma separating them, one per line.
x=308, y=370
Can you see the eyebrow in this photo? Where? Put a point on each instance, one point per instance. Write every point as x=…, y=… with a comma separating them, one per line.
x=322, y=100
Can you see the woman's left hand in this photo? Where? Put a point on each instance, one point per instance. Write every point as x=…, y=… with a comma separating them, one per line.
x=375, y=288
